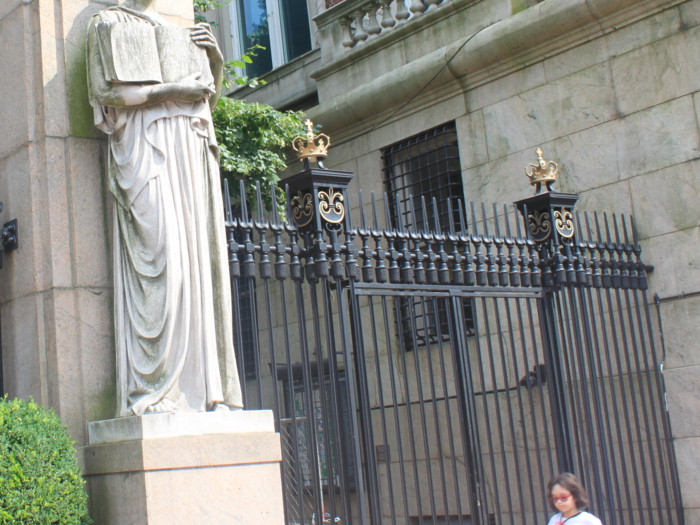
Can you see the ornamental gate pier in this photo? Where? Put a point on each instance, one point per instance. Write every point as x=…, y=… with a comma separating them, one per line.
x=428, y=373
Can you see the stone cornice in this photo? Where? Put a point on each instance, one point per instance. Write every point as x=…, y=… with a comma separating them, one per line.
x=539, y=32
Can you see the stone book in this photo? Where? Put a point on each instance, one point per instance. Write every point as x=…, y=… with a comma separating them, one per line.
x=142, y=53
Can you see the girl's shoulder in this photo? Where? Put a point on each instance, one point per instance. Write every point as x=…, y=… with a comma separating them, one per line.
x=555, y=519
x=586, y=518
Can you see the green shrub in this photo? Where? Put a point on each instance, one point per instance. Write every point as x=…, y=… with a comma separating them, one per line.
x=40, y=481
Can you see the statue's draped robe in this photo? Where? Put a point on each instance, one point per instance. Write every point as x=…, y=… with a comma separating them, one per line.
x=172, y=294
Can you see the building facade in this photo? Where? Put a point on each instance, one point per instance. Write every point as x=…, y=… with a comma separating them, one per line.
x=607, y=89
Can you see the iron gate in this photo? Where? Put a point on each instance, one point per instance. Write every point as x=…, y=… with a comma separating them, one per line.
x=443, y=375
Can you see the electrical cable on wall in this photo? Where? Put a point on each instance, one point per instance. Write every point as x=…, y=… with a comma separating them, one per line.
x=417, y=93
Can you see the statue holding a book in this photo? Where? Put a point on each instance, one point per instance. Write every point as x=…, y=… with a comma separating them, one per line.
x=152, y=86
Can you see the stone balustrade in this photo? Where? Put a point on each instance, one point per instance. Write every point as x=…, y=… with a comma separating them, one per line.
x=353, y=23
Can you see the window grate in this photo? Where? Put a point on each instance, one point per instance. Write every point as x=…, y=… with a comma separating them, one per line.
x=427, y=166
x=416, y=171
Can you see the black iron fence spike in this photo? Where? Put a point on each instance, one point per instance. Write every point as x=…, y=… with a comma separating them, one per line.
x=227, y=203
x=244, y=206
x=399, y=212
x=436, y=217
x=507, y=220
x=588, y=227
x=450, y=215
x=258, y=200
x=616, y=228
x=387, y=218
x=599, y=235
x=496, y=222
x=518, y=229
x=363, y=220
x=607, y=227
x=463, y=223
x=374, y=213
x=414, y=221
x=624, y=229
x=275, y=211
x=484, y=217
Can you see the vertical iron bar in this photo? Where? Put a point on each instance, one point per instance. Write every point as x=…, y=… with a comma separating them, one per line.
x=648, y=371
x=484, y=398
x=625, y=406
x=509, y=407
x=234, y=270
x=448, y=416
x=353, y=398
x=614, y=403
x=613, y=488
x=402, y=351
x=399, y=434
x=336, y=438
x=579, y=420
x=313, y=457
x=670, y=451
x=433, y=393
x=526, y=446
x=556, y=380
x=466, y=403
x=540, y=384
x=582, y=315
x=499, y=423
x=382, y=408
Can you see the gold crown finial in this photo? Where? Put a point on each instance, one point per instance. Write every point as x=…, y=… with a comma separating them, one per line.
x=544, y=172
x=312, y=147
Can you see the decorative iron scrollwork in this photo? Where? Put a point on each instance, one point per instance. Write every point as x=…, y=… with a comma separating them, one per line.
x=330, y=206
x=564, y=223
x=303, y=209
x=540, y=225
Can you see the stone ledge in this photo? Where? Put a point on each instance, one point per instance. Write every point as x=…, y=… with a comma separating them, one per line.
x=184, y=452
x=154, y=426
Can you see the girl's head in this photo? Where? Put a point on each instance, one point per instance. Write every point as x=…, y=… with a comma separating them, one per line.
x=567, y=492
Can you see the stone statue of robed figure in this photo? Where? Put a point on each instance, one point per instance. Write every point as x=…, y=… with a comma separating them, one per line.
x=152, y=87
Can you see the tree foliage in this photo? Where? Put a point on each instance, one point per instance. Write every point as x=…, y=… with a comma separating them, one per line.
x=252, y=139
x=202, y=6
x=40, y=481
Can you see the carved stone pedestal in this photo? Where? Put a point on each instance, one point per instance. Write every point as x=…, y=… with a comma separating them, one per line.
x=185, y=469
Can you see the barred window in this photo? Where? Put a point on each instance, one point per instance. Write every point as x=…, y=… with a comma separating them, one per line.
x=423, y=168
x=426, y=165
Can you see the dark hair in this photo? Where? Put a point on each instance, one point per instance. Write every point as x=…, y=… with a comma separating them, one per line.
x=573, y=485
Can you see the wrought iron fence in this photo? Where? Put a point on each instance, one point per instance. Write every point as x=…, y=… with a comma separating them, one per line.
x=442, y=374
